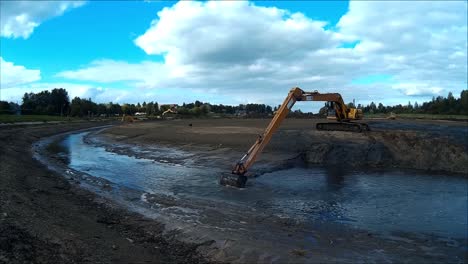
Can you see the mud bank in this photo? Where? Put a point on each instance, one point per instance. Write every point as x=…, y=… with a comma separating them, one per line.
x=428, y=146
x=298, y=219
x=395, y=149
x=46, y=218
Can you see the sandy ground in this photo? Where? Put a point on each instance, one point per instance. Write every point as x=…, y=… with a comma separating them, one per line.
x=45, y=219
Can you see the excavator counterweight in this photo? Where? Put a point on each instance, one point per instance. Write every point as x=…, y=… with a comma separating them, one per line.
x=343, y=115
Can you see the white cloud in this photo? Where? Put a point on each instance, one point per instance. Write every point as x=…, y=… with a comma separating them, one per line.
x=81, y=90
x=104, y=71
x=420, y=43
x=235, y=49
x=105, y=93
x=195, y=32
x=19, y=18
x=12, y=75
x=418, y=89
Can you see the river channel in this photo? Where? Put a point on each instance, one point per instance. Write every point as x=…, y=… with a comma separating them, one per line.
x=399, y=205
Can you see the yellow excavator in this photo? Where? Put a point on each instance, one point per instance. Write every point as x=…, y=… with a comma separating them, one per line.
x=343, y=115
x=169, y=111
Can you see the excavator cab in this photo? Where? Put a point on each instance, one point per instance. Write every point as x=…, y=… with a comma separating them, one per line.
x=331, y=113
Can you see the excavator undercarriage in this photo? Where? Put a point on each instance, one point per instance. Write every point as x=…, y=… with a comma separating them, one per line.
x=344, y=116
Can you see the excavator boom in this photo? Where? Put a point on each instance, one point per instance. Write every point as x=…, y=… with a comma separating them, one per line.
x=237, y=177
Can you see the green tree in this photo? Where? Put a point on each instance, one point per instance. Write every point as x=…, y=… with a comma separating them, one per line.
x=205, y=109
x=156, y=109
x=101, y=109
x=464, y=102
x=196, y=111
x=149, y=108
x=183, y=111
x=5, y=107
x=59, y=101
x=381, y=108
x=75, y=107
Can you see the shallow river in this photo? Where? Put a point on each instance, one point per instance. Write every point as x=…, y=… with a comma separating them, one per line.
x=378, y=201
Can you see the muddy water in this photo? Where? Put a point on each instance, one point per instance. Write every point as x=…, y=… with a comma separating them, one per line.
x=384, y=203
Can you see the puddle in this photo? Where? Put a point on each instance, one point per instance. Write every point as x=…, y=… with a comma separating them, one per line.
x=386, y=203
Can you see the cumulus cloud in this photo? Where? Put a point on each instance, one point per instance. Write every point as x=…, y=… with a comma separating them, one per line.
x=195, y=32
x=12, y=75
x=104, y=71
x=423, y=44
x=108, y=93
x=19, y=18
x=73, y=89
x=237, y=49
x=418, y=89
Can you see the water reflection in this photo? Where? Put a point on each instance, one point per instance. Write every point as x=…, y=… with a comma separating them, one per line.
x=335, y=177
x=60, y=150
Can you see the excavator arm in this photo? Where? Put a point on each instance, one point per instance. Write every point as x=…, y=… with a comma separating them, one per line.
x=251, y=155
x=237, y=177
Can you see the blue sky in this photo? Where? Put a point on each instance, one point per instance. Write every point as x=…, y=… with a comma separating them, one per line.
x=103, y=29
x=84, y=34
x=232, y=52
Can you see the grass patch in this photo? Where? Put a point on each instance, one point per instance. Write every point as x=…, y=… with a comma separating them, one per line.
x=421, y=116
x=32, y=118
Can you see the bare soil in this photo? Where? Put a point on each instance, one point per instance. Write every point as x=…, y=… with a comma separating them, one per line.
x=45, y=219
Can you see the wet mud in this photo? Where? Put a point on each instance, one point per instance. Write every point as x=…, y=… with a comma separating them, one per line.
x=433, y=146
x=48, y=218
x=353, y=207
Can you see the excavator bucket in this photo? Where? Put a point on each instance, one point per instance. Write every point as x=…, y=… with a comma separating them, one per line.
x=234, y=180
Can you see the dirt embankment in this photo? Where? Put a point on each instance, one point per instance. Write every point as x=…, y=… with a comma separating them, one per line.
x=395, y=149
x=45, y=219
x=429, y=145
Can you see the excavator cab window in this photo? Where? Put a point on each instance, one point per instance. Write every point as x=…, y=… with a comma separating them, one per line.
x=331, y=109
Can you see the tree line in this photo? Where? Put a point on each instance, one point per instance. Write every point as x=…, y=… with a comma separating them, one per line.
x=438, y=105
x=57, y=102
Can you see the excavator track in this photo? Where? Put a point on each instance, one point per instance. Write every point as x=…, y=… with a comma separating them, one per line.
x=342, y=126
